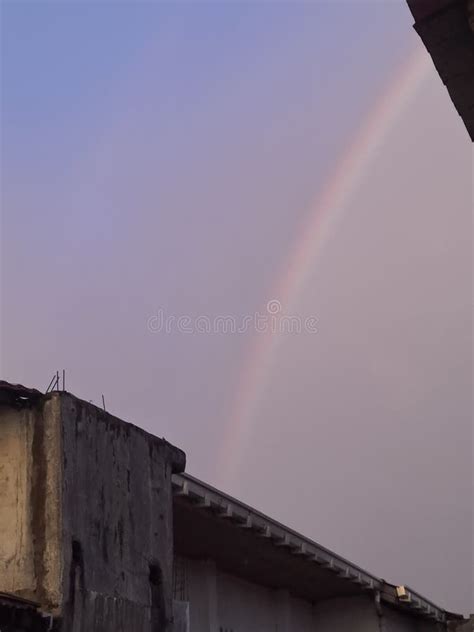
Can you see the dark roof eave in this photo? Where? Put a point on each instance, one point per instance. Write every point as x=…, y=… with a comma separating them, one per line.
x=207, y=498
x=444, y=28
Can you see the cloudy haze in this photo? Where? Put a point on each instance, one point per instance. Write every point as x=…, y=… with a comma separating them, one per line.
x=165, y=157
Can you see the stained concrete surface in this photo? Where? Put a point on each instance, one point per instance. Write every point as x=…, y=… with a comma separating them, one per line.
x=86, y=515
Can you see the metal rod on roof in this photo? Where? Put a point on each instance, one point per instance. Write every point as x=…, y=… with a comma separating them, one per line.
x=50, y=384
x=103, y=401
x=64, y=379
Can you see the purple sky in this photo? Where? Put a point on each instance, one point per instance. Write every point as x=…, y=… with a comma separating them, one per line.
x=164, y=156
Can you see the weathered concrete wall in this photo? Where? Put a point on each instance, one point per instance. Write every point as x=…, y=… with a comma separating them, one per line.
x=30, y=502
x=16, y=541
x=86, y=515
x=117, y=525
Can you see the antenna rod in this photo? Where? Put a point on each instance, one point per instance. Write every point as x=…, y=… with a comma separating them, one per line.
x=51, y=383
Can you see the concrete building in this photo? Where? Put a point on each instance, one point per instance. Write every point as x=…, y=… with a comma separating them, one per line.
x=101, y=531
x=239, y=570
x=85, y=514
x=446, y=28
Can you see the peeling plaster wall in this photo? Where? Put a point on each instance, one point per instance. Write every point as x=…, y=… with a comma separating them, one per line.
x=30, y=502
x=16, y=542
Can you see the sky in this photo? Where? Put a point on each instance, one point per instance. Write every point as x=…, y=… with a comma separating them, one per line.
x=165, y=160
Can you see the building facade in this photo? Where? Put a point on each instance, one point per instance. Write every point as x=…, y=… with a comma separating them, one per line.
x=85, y=514
x=238, y=570
x=102, y=531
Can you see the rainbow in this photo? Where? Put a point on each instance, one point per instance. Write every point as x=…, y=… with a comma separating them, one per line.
x=351, y=170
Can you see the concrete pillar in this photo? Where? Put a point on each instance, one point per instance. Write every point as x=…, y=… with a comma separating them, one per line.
x=30, y=502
